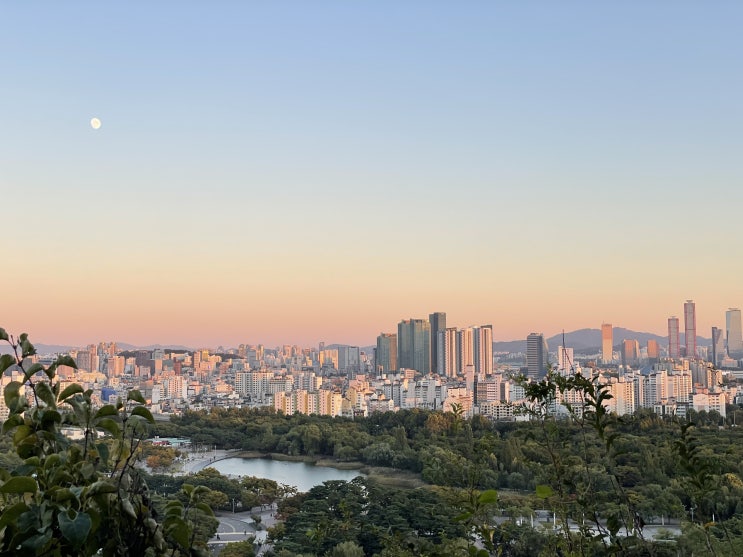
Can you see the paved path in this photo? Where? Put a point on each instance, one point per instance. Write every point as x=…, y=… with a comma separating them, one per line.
x=236, y=527
x=199, y=461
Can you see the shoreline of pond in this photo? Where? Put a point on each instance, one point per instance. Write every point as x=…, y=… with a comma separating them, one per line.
x=391, y=477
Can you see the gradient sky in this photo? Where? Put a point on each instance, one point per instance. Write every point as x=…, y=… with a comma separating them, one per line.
x=290, y=172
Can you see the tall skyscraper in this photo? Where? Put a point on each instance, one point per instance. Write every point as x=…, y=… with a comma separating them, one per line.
x=465, y=349
x=349, y=360
x=718, y=346
x=734, y=333
x=414, y=345
x=690, y=328
x=448, y=357
x=537, y=355
x=438, y=323
x=565, y=361
x=386, y=354
x=673, y=338
x=653, y=350
x=630, y=352
x=607, y=343
x=483, y=349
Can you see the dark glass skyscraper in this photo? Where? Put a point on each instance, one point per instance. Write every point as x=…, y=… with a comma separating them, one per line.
x=438, y=323
x=673, y=338
x=386, y=354
x=414, y=344
x=536, y=356
x=718, y=346
x=733, y=336
x=690, y=329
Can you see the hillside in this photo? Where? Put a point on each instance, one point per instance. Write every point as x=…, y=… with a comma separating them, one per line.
x=589, y=340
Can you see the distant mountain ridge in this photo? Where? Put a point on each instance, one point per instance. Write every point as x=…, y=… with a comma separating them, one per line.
x=589, y=340
x=43, y=349
x=582, y=340
x=40, y=348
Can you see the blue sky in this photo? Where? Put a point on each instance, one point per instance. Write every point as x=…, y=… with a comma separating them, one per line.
x=570, y=155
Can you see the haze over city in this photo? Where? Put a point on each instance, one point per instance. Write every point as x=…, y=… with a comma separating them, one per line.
x=304, y=172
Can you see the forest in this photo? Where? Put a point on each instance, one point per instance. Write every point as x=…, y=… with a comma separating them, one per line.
x=484, y=488
x=601, y=478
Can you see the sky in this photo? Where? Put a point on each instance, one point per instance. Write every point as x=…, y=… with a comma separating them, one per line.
x=297, y=172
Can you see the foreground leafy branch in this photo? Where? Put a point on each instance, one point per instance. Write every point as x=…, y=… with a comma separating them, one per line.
x=79, y=498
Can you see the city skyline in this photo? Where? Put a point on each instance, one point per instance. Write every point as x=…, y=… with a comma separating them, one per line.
x=298, y=172
x=606, y=342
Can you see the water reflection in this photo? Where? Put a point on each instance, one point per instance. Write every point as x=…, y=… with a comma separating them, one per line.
x=299, y=474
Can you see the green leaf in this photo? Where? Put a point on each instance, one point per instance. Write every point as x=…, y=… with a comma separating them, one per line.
x=12, y=421
x=102, y=451
x=69, y=391
x=32, y=370
x=19, y=484
x=51, y=461
x=66, y=360
x=107, y=424
x=136, y=396
x=102, y=486
x=87, y=470
x=128, y=508
x=44, y=392
x=173, y=511
x=206, y=509
x=178, y=530
x=6, y=360
x=21, y=433
x=26, y=346
x=107, y=410
x=3, y=334
x=488, y=497
x=11, y=514
x=50, y=417
x=13, y=395
x=544, y=491
x=51, y=371
x=37, y=542
x=62, y=494
x=142, y=411
x=76, y=529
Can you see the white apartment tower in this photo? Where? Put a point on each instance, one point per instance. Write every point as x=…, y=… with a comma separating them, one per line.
x=607, y=343
x=734, y=333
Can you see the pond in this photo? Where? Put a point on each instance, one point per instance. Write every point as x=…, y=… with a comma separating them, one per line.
x=299, y=474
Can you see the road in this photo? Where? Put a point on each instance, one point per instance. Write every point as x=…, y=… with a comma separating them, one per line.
x=236, y=527
x=199, y=460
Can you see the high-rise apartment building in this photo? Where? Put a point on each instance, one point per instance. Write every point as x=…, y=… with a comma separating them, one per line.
x=414, y=345
x=674, y=348
x=349, y=359
x=653, y=350
x=537, y=355
x=734, y=333
x=690, y=328
x=607, y=343
x=630, y=352
x=437, y=321
x=386, y=354
x=718, y=346
x=465, y=349
x=565, y=361
x=448, y=356
x=483, y=349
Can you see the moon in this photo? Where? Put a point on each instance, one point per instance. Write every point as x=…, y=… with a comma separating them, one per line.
x=95, y=123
